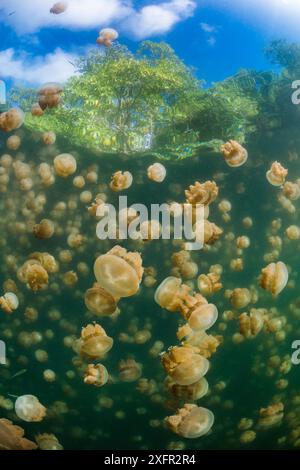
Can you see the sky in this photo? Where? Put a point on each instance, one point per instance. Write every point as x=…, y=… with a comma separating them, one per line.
x=216, y=37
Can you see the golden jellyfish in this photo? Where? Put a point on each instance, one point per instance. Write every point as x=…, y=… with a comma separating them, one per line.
x=119, y=272
x=99, y=301
x=293, y=232
x=33, y=274
x=212, y=232
x=129, y=370
x=49, y=138
x=291, y=191
x=96, y=375
x=234, y=153
x=48, y=442
x=208, y=284
x=107, y=36
x=271, y=416
x=191, y=392
x=277, y=174
x=94, y=342
x=28, y=408
x=274, y=277
x=49, y=95
x=184, y=365
x=11, y=119
x=252, y=324
x=203, y=317
x=13, y=142
x=191, y=421
x=243, y=242
x=9, y=302
x=12, y=437
x=44, y=229
x=36, y=110
x=156, y=172
x=46, y=260
x=240, y=297
x=121, y=181
x=247, y=437
x=65, y=165
x=58, y=8
x=204, y=193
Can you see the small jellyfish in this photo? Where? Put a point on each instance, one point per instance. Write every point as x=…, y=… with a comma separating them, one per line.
x=36, y=110
x=129, y=370
x=58, y=8
x=13, y=142
x=191, y=421
x=274, y=277
x=235, y=155
x=99, y=301
x=28, y=408
x=96, y=375
x=293, y=232
x=9, y=302
x=208, y=284
x=121, y=181
x=49, y=138
x=204, y=193
x=44, y=229
x=48, y=442
x=156, y=172
x=94, y=342
x=240, y=297
x=277, y=174
x=11, y=119
x=191, y=392
x=65, y=165
x=119, y=272
x=12, y=437
x=107, y=36
x=184, y=365
x=50, y=95
x=203, y=317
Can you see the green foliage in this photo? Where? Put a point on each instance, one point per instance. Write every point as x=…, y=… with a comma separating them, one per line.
x=118, y=98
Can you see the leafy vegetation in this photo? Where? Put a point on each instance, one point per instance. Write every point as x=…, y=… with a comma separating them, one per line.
x=151, y=102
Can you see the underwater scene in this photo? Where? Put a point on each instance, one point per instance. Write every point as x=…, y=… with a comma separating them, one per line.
x=150, y=229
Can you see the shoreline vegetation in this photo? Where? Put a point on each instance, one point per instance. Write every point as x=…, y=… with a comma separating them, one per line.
x=151, y=104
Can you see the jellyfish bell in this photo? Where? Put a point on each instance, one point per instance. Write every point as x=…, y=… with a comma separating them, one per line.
x=49, y=95
x=28, y=408
x=48, y=442
x=96, y=375
x=277, y=174
x=192, y=392
x=11, y=119
x=107, y=36
x=119, y=272
x=12, y=437
x=65, y=165
x=99, y=301
x=58, y=8
x=235, y=155
x=94, y=342
x=166, y=291
x=157, y=172
x=191, y=421
x=9, y=302
x=184, y=365
x=203, y=317
x=274, y=277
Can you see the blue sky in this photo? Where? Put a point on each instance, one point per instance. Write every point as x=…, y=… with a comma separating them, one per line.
x=217, y=37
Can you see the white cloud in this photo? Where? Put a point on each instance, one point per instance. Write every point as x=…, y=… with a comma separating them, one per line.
x=157, y=18
x=208, y=28
x=54, y=67
x=32, y=15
